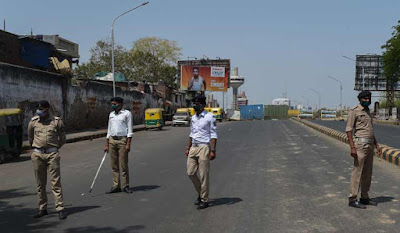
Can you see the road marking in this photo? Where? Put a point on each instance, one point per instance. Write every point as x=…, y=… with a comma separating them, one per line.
x=384, y=218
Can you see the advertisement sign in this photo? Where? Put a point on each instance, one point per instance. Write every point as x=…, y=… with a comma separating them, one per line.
x=204, y=78
x=369, y=74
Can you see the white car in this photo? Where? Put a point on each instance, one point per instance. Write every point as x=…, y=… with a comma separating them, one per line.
x=181, y=118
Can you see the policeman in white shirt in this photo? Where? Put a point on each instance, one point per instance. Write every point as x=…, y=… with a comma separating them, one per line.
x=201, y=149
x=119, y=137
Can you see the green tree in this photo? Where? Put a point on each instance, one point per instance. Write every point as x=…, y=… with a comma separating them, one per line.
x=100, y=60
x=154, y=59
x=391, y=55
x=150, y=59
x=391, y=64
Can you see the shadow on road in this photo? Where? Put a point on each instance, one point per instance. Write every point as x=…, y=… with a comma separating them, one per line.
x=22, y=158
x=224, y=201
x=130, y=229
x=17, y=217
x=14, y=193
x=144, y=188
x=78, y=209
x=382, y=199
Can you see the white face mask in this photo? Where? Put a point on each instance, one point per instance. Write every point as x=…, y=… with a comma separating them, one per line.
x=40, y=113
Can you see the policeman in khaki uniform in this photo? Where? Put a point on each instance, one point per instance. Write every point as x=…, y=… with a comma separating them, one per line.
x=362, y=150
x=201, y=149
x=46, y=134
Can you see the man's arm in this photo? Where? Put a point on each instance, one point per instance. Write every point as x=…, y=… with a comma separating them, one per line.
x=188, y=147
x=108, y=136
x=31, y=131
x=190, y=84
x=190, y=139
x=349, y=131
x=205, y=84
x=214, y=137
x=378, y=147
x=130, y=132
x=62, y=134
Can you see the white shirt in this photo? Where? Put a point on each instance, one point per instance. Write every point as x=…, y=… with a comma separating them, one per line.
x=120, y=124
x=197, y=85
x=203, y=128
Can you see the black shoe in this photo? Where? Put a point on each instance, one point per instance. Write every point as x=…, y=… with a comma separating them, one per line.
x=357, y=204
x=126, y=189
x=114, y=190
x=367, y=201
x=197, y=202
x=202, y=205
x=62, y=214
x=40, y=214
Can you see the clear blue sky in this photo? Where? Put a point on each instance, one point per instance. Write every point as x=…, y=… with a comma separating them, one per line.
x=278, y=45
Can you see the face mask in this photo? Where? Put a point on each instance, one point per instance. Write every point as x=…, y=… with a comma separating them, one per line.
x=40, y=113
x=365, y=104
x=114, y=107
x=197, y=107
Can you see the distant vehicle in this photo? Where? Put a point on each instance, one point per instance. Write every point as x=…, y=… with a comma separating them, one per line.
x=181, y=118
x=190, y=110
x=10, y=133
x=218, y=113
x=154, y=118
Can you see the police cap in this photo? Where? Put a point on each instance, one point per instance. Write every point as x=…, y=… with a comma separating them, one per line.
x=43, y=104
x=364, y=94
x=199, y=98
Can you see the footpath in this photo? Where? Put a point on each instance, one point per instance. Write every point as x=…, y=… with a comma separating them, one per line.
x=90, y=135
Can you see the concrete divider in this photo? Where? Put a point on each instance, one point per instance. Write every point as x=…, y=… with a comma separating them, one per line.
x=387, y=122
x=389, y=154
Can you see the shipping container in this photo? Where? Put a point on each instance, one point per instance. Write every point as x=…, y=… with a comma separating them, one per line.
x=293, y=113
x=252, y=112
x=276, y=112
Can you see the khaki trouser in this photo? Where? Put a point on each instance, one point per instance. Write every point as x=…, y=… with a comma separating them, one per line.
x=198, y=159
x=119, y=157
x=362, y=172
x=43, y=163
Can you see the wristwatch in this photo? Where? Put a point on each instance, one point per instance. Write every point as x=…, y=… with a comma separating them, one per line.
x=213, y=151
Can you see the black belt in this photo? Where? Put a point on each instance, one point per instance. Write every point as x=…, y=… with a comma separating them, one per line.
x=200, y=144
x=118, y=137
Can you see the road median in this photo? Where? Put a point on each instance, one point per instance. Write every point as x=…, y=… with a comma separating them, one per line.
x=389, y=154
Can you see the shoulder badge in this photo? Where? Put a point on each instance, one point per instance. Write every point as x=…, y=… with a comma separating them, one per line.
x=35, y=118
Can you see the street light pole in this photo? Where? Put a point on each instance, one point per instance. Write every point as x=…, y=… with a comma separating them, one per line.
x=362, y=71
x=112, y=41
x=341, y=91
x=306, y=100
x=319, y=97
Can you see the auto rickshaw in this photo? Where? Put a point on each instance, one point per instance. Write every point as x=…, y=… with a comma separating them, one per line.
x=208, y=109
x=154, y=118
x=192, y=111
x=189, y=110
x=10, y=133
x=217, y=112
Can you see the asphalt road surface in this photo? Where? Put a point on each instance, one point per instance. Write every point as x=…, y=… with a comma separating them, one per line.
x=269, y=176
x=385, y=134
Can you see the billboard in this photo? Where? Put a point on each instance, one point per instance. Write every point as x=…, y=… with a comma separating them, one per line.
x=369, y=74
x=214, y=75
x=204, y=78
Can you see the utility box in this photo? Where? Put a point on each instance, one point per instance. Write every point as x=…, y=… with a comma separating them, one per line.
x=252, y=112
